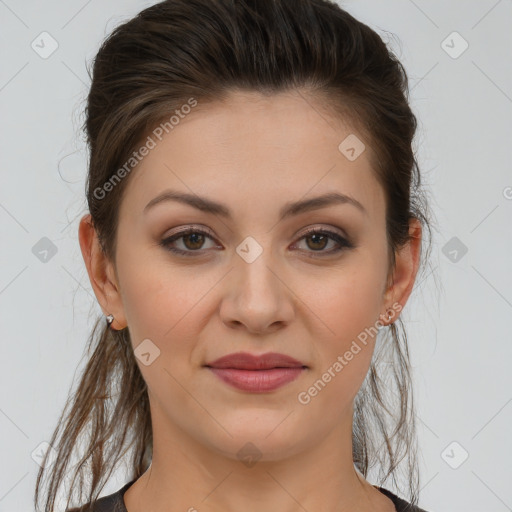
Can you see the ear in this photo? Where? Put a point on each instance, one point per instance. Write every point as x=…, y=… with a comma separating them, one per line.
x=101, y=273
x=407, y=261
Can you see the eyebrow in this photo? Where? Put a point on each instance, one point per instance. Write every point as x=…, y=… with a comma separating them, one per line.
x=289, y=209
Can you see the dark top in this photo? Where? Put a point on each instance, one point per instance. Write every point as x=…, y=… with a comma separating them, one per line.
x=114, y=502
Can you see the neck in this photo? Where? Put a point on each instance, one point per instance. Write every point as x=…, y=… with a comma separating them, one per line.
x=184, y=475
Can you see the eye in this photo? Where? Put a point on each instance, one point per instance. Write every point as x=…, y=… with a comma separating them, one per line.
x=193, y=240
x=319, y=238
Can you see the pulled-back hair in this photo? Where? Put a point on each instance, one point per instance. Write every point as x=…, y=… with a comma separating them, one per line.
x=150, y=66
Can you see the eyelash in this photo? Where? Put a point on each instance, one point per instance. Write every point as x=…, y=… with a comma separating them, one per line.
x=343, y=243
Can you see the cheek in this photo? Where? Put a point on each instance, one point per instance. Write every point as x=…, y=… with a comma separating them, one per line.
x=164, y=304
x=346, y=307
x=345, y=303
x=348, y=310
x=157, y=296
x=170, y=306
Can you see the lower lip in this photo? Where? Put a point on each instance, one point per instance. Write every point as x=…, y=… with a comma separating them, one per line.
x=257, y=381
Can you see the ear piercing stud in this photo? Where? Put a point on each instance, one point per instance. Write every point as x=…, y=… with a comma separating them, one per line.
x=110, y=319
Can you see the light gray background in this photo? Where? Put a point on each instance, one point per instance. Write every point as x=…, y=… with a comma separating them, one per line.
x=459, y=316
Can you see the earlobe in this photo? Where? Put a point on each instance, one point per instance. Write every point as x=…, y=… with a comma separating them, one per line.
x=101, y=273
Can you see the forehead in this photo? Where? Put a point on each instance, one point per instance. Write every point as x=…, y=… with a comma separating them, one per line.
x=256, y=152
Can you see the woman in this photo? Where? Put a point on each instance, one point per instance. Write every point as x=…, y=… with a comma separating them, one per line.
x=254, y=231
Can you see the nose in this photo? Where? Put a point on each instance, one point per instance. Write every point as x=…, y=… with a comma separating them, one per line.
x=257, y=297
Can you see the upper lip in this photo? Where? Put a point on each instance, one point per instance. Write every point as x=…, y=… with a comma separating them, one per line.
x=246, y=361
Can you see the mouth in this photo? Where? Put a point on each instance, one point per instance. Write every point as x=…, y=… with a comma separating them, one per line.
x=256, y=374
x=246, y=361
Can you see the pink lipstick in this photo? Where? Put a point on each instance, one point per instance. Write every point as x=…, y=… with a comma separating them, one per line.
x=256, y=374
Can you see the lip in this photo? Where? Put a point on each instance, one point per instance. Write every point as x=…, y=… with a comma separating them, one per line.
x=257, y=374
x=246, y=361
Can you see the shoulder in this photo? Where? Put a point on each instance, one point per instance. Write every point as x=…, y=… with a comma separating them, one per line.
x=112, y=503
x=400, y=504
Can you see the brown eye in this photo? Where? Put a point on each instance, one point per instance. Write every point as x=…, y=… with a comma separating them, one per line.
x=319, y=242
x=192, y=240
x=196, y=240
x=317, y=239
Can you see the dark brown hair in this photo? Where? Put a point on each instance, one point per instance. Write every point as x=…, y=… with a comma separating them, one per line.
x=150, y=66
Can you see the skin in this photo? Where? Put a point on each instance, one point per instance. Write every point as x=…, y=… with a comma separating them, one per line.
x=253, y=154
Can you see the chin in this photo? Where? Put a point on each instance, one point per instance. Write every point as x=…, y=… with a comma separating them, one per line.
x=262, y=436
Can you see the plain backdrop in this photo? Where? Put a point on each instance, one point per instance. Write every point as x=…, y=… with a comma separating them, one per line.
x=458, y=58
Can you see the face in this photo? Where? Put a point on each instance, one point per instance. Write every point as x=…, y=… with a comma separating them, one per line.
x=245, y=278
